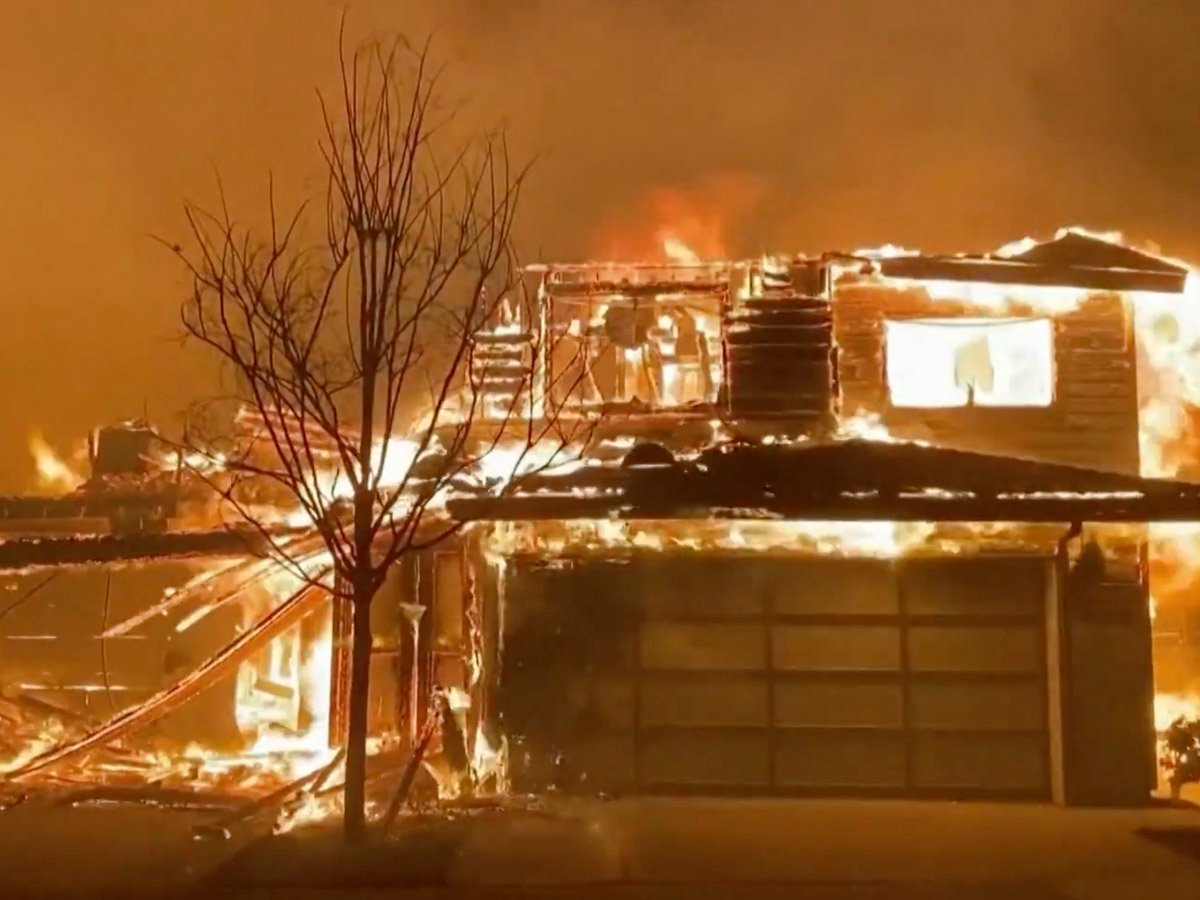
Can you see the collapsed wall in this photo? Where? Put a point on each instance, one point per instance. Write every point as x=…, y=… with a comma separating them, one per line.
x=55, y=646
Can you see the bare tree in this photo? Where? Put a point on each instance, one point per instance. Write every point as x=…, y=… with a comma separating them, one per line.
x=337, y=346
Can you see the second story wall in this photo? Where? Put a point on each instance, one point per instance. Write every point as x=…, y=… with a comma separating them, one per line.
x=1052, y=378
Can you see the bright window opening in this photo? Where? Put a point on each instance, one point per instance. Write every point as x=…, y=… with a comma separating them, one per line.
x=935, y=363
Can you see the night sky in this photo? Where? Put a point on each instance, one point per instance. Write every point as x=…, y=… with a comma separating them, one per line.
x=792, y=124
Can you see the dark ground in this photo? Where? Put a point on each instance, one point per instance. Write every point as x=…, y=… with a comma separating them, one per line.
x=636, y=848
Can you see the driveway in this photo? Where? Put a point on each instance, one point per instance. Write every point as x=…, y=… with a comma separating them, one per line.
x=645, y=848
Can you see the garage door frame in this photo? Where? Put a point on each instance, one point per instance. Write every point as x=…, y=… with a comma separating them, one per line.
x=909, y=620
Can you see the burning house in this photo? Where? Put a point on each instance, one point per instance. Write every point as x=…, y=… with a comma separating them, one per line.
x=870, y=522
x=796, y=610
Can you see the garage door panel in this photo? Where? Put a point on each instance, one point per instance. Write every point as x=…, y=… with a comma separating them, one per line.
x=710, y=702
x=706, y=758
x=978, y=706
x=973, y=587
x=839, y=705
x=975, y=649
x=796, y=674
x=612, y=702
x=680, y=645
x=813, y=587
x=605, y=761
x=696, y=589
x=835, y=647
x=996, y=762
x=843, y=759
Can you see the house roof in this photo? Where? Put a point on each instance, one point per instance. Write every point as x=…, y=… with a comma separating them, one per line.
x=1079, y=250
x=88, y=549
x=1072, y=259
x=844, y=480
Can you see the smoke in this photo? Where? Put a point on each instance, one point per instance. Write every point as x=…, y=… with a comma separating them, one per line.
x=941, y=125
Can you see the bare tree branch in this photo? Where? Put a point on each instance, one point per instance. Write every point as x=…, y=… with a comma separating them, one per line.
x=349, y=357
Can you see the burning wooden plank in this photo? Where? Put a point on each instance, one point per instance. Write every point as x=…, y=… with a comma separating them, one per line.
x=194, y=588
x=257, y=427
x=27, y=553
x=219, y=585
x=91, y=504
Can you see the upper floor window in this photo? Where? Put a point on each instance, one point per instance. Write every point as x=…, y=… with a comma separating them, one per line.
x=664, y=352
x=936, y=363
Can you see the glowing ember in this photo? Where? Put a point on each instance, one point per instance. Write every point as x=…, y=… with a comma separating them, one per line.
x=48, y=735
x=865, y=426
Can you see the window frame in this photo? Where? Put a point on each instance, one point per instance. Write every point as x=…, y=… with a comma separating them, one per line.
x=983, y=323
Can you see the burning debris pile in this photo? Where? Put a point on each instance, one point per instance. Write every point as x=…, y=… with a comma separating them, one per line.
x=251, y=645
x=131, y=768
x=272, y=751
x=59, y=744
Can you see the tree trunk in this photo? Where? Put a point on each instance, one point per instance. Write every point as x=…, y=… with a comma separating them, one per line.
x=354, y=816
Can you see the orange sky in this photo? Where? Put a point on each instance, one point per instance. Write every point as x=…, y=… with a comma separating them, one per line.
x=932, y=123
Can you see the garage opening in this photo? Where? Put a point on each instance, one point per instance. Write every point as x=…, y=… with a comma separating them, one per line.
x=783, y=675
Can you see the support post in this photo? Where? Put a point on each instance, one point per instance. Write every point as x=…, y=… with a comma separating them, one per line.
x=1056, y=676
x=412, y=613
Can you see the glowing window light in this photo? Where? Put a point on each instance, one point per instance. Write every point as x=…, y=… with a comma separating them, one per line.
x=939, y=363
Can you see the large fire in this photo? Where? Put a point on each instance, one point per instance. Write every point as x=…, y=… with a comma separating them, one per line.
x=283, y=695
x=1169, y=706
x=685, y=224
x=284, y=691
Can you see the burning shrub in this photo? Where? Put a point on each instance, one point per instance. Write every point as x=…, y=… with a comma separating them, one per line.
x=1181, y=753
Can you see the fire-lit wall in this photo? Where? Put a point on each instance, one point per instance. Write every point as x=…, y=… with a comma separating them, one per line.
x=1106, y=679
x=1091, y=418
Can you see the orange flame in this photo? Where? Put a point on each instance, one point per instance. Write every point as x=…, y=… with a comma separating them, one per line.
x=677, y=251
x=54, y=472
x=681, y=224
